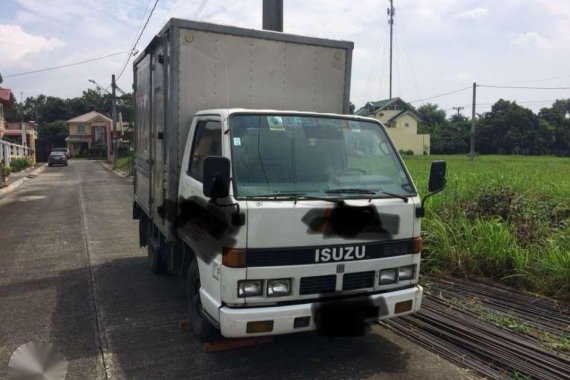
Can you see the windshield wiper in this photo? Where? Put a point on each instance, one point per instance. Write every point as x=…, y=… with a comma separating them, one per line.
x=365, y=191
x=291, y=195
x=350, y=191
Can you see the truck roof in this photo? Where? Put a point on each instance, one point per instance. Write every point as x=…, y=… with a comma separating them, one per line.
x=226, y=112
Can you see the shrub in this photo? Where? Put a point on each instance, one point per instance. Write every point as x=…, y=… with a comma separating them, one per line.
x=19, y=164
x=97, y=151
x=7, y=171
x=408, y=152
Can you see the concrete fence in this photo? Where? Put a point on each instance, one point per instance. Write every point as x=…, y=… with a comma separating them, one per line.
x=9, y=151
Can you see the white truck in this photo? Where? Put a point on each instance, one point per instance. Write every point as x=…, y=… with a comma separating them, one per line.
x=283, y=213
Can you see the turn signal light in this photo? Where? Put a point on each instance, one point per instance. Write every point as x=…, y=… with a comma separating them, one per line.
x=402, y=307
x=233, y=257
x=418, y=245
x=259, y=327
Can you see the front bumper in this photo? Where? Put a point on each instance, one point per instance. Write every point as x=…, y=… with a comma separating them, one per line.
x=234, y=321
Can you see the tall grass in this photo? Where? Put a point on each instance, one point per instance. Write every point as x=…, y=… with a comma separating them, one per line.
x=501, y=217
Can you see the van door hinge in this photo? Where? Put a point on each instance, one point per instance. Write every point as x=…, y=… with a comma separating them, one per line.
x=160, y=135
x=160, y=210
x=160, y=58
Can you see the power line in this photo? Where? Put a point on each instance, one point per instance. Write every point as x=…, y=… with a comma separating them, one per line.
x=137, y=41
x=63, y=66
x=525, y=88
x=200, y=8
x=439, y=96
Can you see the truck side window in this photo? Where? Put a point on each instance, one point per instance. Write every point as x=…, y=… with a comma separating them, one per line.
x=207, y=142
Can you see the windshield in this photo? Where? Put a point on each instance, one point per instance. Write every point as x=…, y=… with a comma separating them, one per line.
x=314, y=156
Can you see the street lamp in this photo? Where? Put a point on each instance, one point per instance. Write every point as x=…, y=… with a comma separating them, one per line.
x=99, y=87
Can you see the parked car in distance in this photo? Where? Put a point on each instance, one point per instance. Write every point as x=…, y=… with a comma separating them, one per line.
x=64, y=150
x=57, y=158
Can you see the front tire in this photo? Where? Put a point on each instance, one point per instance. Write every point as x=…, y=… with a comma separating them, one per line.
x=201, y=328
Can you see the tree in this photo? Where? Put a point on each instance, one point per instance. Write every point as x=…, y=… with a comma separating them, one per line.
x=53, y=134
x=431, y=117
x=558, y=119
x=54, y=109
x=512, y=129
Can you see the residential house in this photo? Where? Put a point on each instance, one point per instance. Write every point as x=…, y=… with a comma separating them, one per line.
x=401, y=121
x=15, y=142
x=6, y=100
x=89, y=130
x=22, y=133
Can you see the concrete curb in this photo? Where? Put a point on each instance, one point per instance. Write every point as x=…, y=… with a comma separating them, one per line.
x=17, y=183
x=118, y=172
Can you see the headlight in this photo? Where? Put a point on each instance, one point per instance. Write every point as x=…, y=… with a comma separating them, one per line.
x=388, y=276
x=250, y=288
x=406, y=273
x=279, y=288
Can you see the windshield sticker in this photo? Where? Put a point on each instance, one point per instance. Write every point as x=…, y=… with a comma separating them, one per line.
x=275, y=123
x=237, y=141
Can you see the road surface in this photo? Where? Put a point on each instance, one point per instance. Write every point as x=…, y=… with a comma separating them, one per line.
x=72, y=274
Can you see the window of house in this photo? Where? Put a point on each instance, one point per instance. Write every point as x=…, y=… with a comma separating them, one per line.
x=99, y=134
x=80, y=129
x=406, y=124
x=207, y=142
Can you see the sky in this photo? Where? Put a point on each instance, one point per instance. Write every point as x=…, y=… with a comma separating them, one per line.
x=439, y=46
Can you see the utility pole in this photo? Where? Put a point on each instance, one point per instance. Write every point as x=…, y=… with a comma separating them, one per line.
x=472, y=151
x=273, y=15
x=22, y=126
x=114, y=115
x=391, y=13
x=458, y=109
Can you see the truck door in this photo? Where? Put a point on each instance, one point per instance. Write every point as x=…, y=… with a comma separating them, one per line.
x=157, y=137
x=200, y=217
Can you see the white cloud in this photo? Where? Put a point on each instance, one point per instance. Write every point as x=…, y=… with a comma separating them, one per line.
x=15, y=43
x=472, y=13
x=530, y=39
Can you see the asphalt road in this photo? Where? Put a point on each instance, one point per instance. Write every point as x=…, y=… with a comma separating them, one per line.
x=72, y=274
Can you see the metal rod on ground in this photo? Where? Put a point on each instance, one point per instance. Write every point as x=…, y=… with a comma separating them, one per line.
x=472, y=151
x=114, y=114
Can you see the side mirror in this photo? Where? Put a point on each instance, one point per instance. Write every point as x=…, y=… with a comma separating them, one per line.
x=437, y=176
x=216, y=177
x=435, y=185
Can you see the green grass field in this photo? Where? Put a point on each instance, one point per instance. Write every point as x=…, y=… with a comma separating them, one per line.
x=501, y=217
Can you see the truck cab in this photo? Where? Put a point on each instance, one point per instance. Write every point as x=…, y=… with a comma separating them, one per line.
x=298, y=221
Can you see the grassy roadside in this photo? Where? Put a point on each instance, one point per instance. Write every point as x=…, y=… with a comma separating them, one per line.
x=506, y=218
x=123, y=162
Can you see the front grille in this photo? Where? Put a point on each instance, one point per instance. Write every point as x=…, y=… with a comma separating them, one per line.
x=317, y=284
x=398, y=248
x=360, y=280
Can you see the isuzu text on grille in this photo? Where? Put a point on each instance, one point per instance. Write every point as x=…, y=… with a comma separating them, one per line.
x=339, y=254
